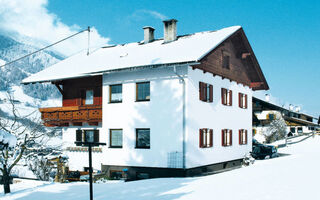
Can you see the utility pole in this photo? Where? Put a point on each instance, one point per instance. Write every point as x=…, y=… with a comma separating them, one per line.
x=90, y=142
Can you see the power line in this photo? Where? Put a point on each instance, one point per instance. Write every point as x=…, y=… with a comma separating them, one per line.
x=88, y=29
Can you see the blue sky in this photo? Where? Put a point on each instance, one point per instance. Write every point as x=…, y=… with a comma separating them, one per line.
x=283, y=34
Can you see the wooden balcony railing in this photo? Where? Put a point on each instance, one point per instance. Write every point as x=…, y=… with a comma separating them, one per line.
x=76, y=115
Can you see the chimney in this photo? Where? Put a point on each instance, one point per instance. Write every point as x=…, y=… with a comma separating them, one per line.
x=170, y=30
x=148, y=34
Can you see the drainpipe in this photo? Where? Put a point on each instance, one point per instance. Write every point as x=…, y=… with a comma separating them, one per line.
x=183, y=117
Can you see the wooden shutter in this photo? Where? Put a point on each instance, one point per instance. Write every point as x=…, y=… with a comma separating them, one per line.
x=240, y=137
x=230, y=97
x=230, y=137
x=211, y=137
x=222, y=138
x=201, y=91
x=96, y=136
x=200, y=138
x=211, y=93
x=78, y=137
x=205, y=91
x=240, y=100
x=222, y=95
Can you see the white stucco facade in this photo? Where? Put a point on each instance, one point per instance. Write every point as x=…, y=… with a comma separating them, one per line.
x=163, y=115
x=215, y=116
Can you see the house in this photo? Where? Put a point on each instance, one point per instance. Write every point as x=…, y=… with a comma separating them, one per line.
x=264, y=112
x=177, y=106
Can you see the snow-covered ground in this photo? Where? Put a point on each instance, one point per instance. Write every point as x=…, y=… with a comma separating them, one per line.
x=294, y=176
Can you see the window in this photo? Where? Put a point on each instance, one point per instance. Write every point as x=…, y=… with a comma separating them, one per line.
x=115, y=94
x=226, y=97
x=87, y=136
x=143, y=91
x=89, y=97
x=243, y=100
x=226, y=137
x=271, y=116
x=299, y=129
x=243, y=136
x=205, y=92
x=205, y=138
x=225, y=60
x=143, y=138
x=293, y=130
x=116, y=138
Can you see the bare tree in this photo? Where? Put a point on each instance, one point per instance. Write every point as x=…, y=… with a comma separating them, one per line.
x=28, y=131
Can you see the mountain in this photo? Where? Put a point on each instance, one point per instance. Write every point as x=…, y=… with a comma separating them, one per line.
x=12, y=74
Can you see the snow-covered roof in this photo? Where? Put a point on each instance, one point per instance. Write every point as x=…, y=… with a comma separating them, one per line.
x=188, y=48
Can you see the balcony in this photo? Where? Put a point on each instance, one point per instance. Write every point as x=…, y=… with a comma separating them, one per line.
x=71, y=115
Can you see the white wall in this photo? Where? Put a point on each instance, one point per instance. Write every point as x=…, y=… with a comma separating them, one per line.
x=217, y=117
x=162, y=114
x=79, y=159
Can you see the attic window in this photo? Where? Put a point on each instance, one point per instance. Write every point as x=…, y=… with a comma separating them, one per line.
x=225, y=60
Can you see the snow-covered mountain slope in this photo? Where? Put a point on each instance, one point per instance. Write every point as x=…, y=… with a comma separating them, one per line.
x=12, y=74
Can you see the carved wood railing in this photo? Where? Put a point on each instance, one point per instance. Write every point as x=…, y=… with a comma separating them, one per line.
x=76, y=115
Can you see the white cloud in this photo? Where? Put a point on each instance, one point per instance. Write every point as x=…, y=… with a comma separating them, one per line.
x=139, y=14
x=31, y=20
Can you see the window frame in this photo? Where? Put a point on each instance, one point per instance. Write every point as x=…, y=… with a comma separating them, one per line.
x=110, y=94
x=243, y=136
x=243, y=100
x=205, y=138
x=85, y=97
x=225, y=63
x=205, y=92
x=137, y=92
x=82, y=134
x=226, y=97
x=225, y=134
x=143, y=147
x=110, y=138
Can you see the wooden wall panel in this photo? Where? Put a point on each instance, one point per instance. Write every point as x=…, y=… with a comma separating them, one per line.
x=74, y=90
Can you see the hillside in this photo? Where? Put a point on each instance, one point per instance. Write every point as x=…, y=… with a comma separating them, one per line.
x=12, y=74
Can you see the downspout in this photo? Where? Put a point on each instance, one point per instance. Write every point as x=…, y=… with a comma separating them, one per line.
x=183, y=117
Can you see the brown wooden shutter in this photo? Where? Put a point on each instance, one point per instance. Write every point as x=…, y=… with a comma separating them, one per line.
x=230, y=137
x=96, y=136
x=211, y=138
x=222, y=138
x=240, y=137
x=200, y=91
x=205, y=91
x=78, y=137
x=230, y=97
x=200, y=138
x=246, y=101
x=239, y=96
x=222, y=95
x=211, y=93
